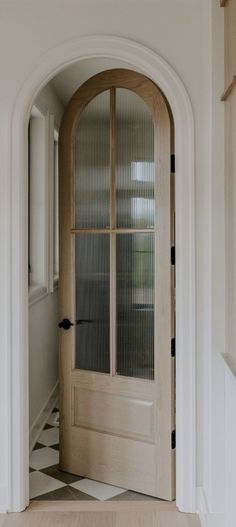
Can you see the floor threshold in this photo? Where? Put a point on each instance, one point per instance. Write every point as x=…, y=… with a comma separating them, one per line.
x=79, y=505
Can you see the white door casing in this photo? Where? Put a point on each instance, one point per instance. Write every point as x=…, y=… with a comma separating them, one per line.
x=158, y=70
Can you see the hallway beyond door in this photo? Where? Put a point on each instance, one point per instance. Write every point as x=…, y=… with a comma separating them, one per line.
x=49, y=483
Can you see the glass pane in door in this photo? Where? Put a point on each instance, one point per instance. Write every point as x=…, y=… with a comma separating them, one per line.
x=92, y=302
x=135, y=168
x=135, y=305
x=92, y=164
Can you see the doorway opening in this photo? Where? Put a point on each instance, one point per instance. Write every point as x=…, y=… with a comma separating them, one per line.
x=142, y=59
x=136, y=205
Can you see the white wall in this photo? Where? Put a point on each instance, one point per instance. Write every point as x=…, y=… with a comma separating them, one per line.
x=218, y=488
x=230, y=452
x=178, y=30
x=43, y=352
x=43, y=312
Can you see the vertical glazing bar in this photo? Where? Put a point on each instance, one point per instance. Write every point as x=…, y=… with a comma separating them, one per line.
x=112, y=158
x=112, y=235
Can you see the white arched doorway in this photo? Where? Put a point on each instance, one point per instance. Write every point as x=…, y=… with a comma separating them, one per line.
x=149, y=63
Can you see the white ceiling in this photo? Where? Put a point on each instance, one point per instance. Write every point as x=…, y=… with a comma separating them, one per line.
x=71, y=78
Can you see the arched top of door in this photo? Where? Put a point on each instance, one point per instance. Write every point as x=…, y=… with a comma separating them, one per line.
x=110, y=79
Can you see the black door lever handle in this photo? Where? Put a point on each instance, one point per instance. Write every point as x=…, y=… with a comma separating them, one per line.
x=65, y=324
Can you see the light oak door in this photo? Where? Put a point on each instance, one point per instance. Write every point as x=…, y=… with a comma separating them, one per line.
x=116, y=369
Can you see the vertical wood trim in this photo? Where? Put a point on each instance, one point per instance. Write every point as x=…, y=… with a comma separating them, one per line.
x=229, y=89
x=163, y=311
x=112, y=157
x=112, y=303
x=113, y=144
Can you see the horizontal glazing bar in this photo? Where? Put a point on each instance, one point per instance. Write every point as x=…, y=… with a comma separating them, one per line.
x=106, y=231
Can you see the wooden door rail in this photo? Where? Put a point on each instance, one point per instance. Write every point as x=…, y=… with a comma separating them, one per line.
x=223, y=3
x=228, y=90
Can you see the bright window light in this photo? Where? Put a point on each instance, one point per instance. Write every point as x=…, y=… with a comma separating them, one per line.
x=142, y=171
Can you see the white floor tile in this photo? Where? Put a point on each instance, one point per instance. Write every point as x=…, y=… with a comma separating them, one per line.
x=98, y=490
x=44, y=457
x=49, y=437
x=53, y=420
x=41, y=484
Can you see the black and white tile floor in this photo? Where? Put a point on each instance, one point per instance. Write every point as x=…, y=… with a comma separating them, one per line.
x=48, y=482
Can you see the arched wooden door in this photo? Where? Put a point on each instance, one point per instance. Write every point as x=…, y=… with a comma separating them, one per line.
x=116, y=370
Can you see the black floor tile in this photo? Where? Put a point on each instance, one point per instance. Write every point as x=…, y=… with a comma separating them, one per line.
x=65, y=493
x=38, y=445
x=56, y=473
x=130, y=495
x=56, y=447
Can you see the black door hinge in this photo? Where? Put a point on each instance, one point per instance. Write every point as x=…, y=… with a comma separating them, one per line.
x=173, y=440
x=172, y=255
x=173, y=347
x=172, y=163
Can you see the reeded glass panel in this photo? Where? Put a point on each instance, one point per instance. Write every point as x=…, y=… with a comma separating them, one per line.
x=92, y=160
x=92, y=302
x=135, y=167
x=135, y=305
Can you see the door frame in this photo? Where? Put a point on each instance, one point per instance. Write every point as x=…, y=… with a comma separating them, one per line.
x=144, y=60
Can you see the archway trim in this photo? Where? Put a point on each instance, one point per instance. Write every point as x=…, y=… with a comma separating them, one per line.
x=153, y=66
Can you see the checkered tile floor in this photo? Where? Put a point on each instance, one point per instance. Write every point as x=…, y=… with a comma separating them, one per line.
x=48, y=482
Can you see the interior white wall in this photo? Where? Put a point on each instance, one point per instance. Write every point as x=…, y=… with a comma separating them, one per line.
x=214, y=460
x=178, y=30
x=217, y=494
x=43, y=354
x=43, y=312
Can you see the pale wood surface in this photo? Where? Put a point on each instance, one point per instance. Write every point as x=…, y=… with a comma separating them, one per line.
x=132, y=464
x=95, y=411
x=229, y=89
x=103, y=518
x=54, y=506
x=230, y=41
x=230, y=221
x=113, y=156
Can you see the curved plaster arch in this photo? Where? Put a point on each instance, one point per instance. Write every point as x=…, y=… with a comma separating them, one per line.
x=157, y=69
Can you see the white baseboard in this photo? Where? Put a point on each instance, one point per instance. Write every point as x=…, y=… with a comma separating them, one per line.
x=40, y=421
x=207, y=518
x=3, y=499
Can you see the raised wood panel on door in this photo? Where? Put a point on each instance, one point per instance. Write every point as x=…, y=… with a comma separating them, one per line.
x=144, y=464
x=115, y=414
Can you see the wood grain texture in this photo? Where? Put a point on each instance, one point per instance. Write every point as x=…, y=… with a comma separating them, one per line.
x=110, y=458
x=110, y=413
x=230, y=41
x=140, y=517
x=229, y=89
x=101, y=506
x=230, y=222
